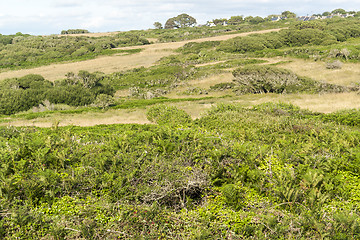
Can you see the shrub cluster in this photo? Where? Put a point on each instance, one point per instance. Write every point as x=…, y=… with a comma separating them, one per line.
x=301, y=34
x=21, y=94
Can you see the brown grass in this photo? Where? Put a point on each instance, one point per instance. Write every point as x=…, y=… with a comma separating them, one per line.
x=85, y=119
x=347, y=75
x=108, y=64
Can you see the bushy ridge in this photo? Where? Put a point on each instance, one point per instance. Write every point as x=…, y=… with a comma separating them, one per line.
x=299, y=37
x=273, y=171
x=21, y=50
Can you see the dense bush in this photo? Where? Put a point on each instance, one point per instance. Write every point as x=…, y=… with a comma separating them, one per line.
x=164, y=114
x=21, y=94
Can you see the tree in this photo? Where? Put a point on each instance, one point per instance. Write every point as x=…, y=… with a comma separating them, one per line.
x=248, y=18
x=256, y=20
x=288, y=14
x=170, y=24
x=338, y=11
x=235, y=20
x=158, y=25
x=180, y=21
x=219, y=21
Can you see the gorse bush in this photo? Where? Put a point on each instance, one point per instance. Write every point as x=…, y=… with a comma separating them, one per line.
x=163, y=114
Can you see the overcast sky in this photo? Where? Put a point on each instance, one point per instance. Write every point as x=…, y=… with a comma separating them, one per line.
x=51, y=16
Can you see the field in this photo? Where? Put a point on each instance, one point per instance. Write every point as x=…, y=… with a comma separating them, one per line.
x=236, y=135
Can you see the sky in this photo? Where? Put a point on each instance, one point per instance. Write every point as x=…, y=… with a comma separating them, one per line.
x=40, y=17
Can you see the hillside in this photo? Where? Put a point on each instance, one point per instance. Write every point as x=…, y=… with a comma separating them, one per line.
x=248, y=131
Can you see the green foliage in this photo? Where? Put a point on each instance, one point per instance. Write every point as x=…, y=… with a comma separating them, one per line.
x=306, y=35
x=273, y=171
x=24, y=51
x=163, y=114
x=21, y=94
x=180, y=21
x=74, y=31
x=347, y=117
x=235, y=20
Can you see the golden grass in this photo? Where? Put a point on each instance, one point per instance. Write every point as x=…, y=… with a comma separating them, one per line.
x=347, y=75
x=324, y=103
x=86, y=119
x=209, y=81
x=109, y=64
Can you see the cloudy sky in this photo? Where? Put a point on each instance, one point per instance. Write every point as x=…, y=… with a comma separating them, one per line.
x=52, y=16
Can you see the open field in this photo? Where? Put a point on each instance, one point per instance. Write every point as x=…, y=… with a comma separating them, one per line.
x=108, y=64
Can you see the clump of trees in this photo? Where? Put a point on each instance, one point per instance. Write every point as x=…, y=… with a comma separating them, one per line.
x=74, y=31
x=180, y=21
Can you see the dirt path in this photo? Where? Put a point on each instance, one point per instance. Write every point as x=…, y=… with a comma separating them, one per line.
x=108, y=64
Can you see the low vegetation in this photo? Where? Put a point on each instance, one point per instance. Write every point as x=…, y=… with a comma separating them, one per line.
x=237, y=171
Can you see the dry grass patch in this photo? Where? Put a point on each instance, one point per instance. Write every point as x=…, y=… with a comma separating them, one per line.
x=347, y=75
x=324, y=103
x=86, y=119
x=212, y=80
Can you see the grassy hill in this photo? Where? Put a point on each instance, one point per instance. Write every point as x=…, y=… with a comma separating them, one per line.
x=230, y=132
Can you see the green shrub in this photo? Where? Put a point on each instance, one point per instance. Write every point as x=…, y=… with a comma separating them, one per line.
x=163, y=114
